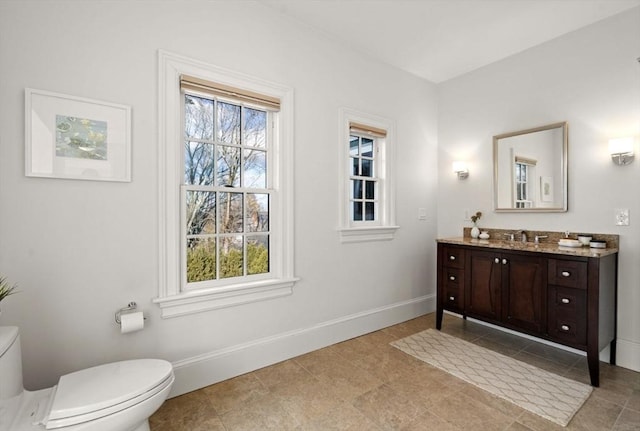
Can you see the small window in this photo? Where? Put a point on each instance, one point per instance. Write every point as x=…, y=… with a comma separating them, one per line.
x=366, y=154
x=522, y=178
x=364, y=184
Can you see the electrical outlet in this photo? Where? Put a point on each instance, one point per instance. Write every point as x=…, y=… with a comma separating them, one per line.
x=622, y=216
x=422, y=213
x=467, y=215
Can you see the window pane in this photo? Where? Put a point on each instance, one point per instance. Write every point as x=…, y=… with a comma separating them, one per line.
x=200, y=212
x=198, y=163
x=257, y=212
x=230, y=212
x=357, y=211
x=228, y=173
x=201, y=259
x=354, y=143
x=228, y=122
x=367, y=168
x=255, y=128
x=198, y=117
x=370, y=187
x=367, y=147
x=257, y=254
x=255, y=169
x=231, y=258
x=355, y=169
x=370, y=211
x=357, y=189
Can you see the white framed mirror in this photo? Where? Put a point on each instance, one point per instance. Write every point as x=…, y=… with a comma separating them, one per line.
x=530, y=170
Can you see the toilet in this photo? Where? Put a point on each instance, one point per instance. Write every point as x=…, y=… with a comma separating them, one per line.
x=119, y=396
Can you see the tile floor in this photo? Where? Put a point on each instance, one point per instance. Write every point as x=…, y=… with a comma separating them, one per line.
x=365, y=384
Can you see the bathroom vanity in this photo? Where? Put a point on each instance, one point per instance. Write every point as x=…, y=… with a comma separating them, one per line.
x=560, y=294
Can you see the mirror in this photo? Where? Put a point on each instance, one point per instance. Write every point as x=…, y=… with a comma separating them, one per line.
x=530, y=170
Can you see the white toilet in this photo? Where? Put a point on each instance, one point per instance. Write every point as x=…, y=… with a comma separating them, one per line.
x=119, y=396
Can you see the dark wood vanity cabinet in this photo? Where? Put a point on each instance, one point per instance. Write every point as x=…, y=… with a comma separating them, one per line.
x=566, y=299
x=505, y=288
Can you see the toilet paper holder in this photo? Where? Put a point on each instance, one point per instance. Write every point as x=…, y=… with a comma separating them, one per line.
x=130, y=307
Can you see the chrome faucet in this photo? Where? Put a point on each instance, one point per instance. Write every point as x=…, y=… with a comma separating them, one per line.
x=539, y=237
x=523, y=236
x=509, y=235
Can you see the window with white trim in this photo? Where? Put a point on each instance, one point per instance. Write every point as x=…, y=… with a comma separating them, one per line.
x=225, y=188
x=367, y=158
x=522, y=176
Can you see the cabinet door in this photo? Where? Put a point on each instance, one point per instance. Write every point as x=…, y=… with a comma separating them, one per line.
x=523, y=292
x=483, y=271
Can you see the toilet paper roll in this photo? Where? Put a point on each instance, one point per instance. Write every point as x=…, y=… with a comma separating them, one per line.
x=131, y=322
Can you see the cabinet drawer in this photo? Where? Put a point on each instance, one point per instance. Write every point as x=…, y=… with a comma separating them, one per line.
x=453, y=277
x=567, y=273
x=567, y=315
x=453, y=257
x=453, y=299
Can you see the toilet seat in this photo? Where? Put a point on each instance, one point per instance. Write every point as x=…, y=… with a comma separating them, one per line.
x=100, y=391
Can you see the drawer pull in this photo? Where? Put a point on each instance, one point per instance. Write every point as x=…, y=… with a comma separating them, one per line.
x=452, y=258
x=565, y=300
x=452, y=277
x=496, y=260
x=566, y=274
x=564, y=327
x=505, y=261
x=452, y=298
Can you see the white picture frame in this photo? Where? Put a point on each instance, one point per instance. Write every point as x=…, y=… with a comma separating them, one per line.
x=546, y=189
x=76, y=138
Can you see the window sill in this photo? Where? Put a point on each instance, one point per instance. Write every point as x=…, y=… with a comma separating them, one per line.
x=363, y=234
x=211, y=299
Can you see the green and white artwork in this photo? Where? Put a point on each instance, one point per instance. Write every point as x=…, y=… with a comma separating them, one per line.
x=81, y=138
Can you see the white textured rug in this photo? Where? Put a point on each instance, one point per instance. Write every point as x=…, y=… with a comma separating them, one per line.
x=553, y=397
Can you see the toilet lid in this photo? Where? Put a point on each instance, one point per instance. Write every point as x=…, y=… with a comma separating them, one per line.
x=105, y=389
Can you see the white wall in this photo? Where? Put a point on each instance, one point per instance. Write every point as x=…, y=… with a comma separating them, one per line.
x=591, y=79
x=80, y=250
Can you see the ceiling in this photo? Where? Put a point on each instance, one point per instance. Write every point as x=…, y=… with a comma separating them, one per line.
x=441, y=39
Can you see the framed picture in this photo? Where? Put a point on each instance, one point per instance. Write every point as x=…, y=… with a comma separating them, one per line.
x=76, y=138
x=546, y=189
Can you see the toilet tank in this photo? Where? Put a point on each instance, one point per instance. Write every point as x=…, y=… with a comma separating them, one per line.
x=10, y=362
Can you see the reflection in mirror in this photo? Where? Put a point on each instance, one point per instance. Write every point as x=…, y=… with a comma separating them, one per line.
x=530, y=170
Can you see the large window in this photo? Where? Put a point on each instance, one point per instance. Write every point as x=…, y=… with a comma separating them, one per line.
x=226, y=198
x=367, y=159
x=226, y=189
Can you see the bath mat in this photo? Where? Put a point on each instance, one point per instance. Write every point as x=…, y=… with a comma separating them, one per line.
x=553, y=397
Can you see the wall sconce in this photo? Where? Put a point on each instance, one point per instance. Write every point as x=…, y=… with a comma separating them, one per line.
x=621, y=150
x=461, y=169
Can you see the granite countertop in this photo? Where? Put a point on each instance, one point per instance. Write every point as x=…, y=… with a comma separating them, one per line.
x=543, y=247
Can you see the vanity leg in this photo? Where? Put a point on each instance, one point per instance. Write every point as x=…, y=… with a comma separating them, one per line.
x=593, y=360
x=612, y=352
x=439, y=312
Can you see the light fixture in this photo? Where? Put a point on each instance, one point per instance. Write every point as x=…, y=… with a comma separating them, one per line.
x=461, y=169
x=621, y=150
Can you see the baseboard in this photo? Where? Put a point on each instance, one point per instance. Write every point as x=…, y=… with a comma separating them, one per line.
x=203, y=370
x=628, y=354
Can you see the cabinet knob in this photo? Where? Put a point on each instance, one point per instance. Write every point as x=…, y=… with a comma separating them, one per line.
x=505, y=261
x=452, y=277
x=566, y=273
x=564, y=327
x=496, y=260
x=452, y=258
x=565, y=300
x=452, y=298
